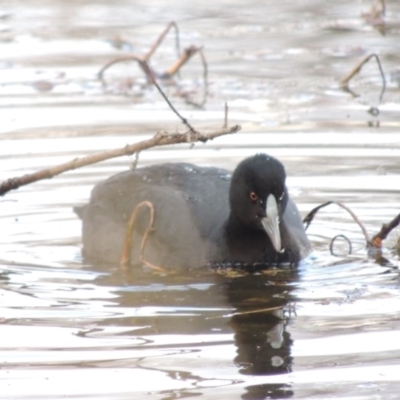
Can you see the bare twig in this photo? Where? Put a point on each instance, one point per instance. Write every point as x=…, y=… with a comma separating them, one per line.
x=310, y=216
x=344, y=83
x=205, y=76
x=138, y=59
x=126, y=252
x=161, y=38
x=333, y=242
x=182, y=60
x=160, y=139
x=154, y=82
x=374, y=243
x=384, y=232
x=226, y=115
x=205, y=83
x=135, y=162
x=171, y=71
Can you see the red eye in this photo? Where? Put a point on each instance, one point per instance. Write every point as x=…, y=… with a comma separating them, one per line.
x=253, y=196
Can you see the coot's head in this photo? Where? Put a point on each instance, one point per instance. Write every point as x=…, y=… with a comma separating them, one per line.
x=258, y=195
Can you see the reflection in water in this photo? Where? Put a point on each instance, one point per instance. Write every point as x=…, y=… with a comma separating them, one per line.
x=190, y=333
x=252, y=306
x=263, y=344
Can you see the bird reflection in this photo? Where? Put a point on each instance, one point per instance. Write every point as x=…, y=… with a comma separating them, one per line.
x=263, y=344
x=255, y=307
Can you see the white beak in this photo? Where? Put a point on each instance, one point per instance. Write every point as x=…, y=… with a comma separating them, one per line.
x=271, y=223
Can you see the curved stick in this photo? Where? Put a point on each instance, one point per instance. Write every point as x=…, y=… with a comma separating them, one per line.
x=310, y=216
x=333, y=242
x=205, y=82
x=126, y=252
x=344, y=83
x=132, y=57
x=162, y=37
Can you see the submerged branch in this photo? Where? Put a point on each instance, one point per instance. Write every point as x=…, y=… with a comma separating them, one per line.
x=344, y=83
x=126, y=252
x=310, y=216
x=161, y=38
x=384, y=232
x=374, y=243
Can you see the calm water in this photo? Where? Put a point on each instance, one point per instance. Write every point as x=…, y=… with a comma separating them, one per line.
x=329, y=329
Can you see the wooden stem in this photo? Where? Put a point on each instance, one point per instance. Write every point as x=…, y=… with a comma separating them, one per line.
x=344, y=83
x=310, y=216
x=384, y=232
x=126, y=252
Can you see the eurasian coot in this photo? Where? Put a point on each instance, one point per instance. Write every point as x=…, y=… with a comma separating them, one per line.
x=202, y=216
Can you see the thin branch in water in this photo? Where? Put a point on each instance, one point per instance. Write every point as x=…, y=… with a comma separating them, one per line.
x=160, y=139
x=333, y=242
x=310, y=216
x=172, y=70
x=205, y=83
x=135, y=162
x=154, y=82
x=126, y=252
x=226, y=116
x=384, y=232
x=140, y=59
x=205, y=76
x=181, y=61
x=161, y=38
x=344, y=83
x=100, y=74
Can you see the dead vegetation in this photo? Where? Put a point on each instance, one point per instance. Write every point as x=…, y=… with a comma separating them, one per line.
x=171, y=71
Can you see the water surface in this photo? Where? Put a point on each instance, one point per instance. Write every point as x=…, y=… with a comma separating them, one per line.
x=328, y=329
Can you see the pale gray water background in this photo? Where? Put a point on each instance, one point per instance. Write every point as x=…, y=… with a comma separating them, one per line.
x=73, y=330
